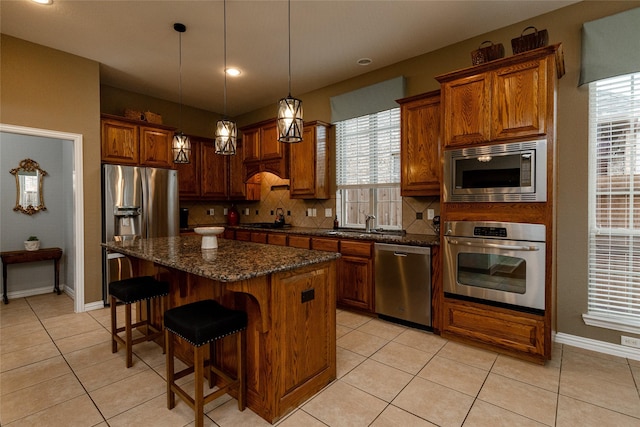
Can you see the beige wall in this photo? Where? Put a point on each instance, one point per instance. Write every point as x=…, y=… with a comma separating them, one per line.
x=48, y=89
x=193, y=121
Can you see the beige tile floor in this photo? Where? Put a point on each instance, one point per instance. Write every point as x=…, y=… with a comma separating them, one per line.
x=57, y=369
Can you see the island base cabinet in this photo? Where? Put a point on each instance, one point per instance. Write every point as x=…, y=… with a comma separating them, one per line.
x=291, y=332
x=497, y=329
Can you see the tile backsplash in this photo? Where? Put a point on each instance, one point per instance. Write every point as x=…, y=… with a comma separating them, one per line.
x=275, y=194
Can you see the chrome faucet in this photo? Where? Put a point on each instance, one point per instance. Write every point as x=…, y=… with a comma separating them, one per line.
x=367, y=222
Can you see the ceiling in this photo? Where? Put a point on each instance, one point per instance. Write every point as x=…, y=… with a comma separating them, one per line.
x=138, y=49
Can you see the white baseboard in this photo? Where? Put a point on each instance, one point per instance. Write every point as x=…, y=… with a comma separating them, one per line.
x=97, y=305
x=599, y=346
x=38, y=291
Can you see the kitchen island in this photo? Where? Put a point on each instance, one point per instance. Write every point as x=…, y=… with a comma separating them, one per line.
x=289, y=295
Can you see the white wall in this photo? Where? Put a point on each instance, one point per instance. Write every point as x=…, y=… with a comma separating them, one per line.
x=53, y=226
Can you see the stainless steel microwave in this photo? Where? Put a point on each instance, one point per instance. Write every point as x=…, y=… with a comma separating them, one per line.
x=510, y=172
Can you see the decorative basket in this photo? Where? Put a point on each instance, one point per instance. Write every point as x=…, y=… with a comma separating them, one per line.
x=487, y=53
x=147, y=116
x=153, y=117
x=133, y=114
x=529, y=41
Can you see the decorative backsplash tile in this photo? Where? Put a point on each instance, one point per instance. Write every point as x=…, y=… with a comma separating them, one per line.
x=275, y=194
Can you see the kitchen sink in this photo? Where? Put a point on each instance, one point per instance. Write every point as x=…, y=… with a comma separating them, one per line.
x=361, y=233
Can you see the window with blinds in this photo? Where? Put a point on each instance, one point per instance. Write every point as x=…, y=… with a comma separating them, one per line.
x=368, y=170
x=614, y=202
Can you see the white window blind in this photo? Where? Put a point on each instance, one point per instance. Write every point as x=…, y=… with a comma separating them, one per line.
x=368, y=170
x=614, y=196
x=368, y=152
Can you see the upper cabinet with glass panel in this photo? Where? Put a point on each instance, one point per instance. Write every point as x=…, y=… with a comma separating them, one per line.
x=29, y=194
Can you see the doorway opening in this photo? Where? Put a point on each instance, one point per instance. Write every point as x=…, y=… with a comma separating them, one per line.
x=75, y=248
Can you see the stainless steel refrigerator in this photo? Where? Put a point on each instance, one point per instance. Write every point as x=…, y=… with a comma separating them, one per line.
x=137, y=202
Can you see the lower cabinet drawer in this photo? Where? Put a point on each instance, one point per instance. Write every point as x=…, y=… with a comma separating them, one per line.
x=303, y=242
x=322, y=244
x=258, y=237
x=243, y=235
x=277, y=239
x=353, y=248
x=508, y=330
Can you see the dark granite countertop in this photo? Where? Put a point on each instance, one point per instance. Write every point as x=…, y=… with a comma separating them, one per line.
x=231, y=261
x=398, y=239
x=341, y=233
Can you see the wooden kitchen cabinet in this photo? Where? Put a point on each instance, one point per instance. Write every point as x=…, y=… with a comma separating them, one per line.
x=262, y=150
x=355, y=271
x=214, y=172
x=131, y=142
x=420, y=145
x=189, y=175
x=355, y=288
x=501, y=100
x=516, y=333
x=211, y=176
x=310, y=162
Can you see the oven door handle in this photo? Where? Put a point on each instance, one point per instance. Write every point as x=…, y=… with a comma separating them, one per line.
x=494, y=246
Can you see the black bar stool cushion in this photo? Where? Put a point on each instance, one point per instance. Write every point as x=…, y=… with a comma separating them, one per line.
x=204, y=321
x=137, y=289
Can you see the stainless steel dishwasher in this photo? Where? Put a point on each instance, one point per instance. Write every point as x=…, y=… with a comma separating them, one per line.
x=403, y=282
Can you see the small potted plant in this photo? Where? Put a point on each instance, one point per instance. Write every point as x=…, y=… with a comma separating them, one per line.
x=32, y=243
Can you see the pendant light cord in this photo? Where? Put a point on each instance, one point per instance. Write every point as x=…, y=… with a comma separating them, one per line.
x=180, y=77
x=289, y=19
x=225, y=58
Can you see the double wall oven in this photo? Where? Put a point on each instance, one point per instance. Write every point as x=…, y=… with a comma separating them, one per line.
x=495, y=262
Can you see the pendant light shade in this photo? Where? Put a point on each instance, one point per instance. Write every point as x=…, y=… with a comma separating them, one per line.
x=180, y=145
x=290, y=122
x=226, y=130
x=226, y=137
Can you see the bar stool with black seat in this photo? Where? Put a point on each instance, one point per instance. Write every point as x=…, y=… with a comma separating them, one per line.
x=129, y=291
x=200, y=323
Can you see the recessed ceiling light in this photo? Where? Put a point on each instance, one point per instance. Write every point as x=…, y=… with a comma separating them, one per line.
x=364, y=61
x=43, y=1
x=233, y=72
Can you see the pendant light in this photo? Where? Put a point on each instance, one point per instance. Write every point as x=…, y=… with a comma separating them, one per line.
x=290, y=108
x=226, y=130
x=181, y=145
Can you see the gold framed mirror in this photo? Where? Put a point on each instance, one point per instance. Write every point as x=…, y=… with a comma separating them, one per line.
x=29, y=194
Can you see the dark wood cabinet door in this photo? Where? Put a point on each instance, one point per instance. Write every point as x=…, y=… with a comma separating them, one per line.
x=214, y=172
x=355, y=283
x=155, y=147
x=270, y=147
x=251, y=145
x=189, y=173
x=519, y=104
x=467, y=110
x=237, y=186
x=420, y=146
x=119, y=143
x=303, y=166
x=309, y=163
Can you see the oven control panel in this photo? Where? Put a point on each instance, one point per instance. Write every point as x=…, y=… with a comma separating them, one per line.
x=490, y=231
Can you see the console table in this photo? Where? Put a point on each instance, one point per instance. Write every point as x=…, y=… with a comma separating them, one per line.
x=17, y=257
